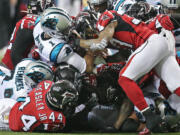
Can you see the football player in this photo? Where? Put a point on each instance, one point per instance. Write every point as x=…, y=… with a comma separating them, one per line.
x=50, y=35
x=27, y=74
x=146, y=44
x=22, y=38
x=46, y=108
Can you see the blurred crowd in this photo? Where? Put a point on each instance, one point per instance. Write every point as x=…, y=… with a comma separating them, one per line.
x=13, y=10
x=9, y=15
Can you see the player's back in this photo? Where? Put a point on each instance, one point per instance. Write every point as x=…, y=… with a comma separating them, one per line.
x=129, y=31
x=52, y=50
x=13, y=85
x=34, y=114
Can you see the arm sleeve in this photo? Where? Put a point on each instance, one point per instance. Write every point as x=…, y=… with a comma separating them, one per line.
x=23, y=41
x=106, y=18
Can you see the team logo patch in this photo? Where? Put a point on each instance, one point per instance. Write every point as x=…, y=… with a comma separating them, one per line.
x=105, y=17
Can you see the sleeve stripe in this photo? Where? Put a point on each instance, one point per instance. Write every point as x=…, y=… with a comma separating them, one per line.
x=22, y=23
x=37, y=20
x=55, y=52
x=118, y=4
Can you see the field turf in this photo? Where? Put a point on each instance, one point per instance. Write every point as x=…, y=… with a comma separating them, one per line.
x=24, y=133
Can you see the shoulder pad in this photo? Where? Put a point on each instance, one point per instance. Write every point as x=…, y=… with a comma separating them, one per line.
x=105, y=19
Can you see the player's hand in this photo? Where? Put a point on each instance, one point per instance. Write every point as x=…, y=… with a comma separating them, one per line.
x=35, y=54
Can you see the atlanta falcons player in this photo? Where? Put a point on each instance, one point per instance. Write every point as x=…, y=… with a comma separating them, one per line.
x=146, y=44
x=45, y=109
x=22, y=38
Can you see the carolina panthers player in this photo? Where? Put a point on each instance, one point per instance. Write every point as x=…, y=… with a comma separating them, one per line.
x=27, y=74
x=50, y=35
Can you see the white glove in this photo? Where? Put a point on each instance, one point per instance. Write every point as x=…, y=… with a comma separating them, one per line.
x=99, y=46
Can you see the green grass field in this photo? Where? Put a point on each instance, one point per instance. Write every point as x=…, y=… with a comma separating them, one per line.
x=23, y=133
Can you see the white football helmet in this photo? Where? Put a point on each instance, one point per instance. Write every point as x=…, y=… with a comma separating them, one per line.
x=56, y=22
x=122, y=6
x=37, y=71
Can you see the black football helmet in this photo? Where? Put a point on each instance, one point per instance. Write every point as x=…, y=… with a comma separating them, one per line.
x=86, y=24
x=68, y=72
x=142, y=11
x=63, y=96
x=38, y=6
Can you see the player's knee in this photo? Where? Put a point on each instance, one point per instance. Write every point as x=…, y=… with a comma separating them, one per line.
x=130, y=125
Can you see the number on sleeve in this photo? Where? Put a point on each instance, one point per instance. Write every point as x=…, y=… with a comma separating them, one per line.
x=28, y=121
x=136, y=21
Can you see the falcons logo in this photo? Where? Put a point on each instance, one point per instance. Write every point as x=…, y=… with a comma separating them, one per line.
x=105, y=17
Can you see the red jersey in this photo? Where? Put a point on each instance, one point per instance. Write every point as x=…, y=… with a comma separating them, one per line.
x=34, y=113
x=26, y=22
x=161, y=21
x=129, y=32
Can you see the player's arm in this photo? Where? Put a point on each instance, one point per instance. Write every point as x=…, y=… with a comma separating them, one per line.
x=125, y=110
x=175, y=18
x=169, y=22
x=89, y=58
x=101, y=42
x=22, y=43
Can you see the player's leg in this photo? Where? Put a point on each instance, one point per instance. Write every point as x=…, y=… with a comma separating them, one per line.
x=169, y=71
x=140, y=63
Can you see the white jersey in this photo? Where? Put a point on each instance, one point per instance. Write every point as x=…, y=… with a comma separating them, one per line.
x=13, y=85
x=121, y=6
x=6, y=105
x=55, y=50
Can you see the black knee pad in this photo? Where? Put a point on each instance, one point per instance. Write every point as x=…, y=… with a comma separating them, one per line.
x=129, y=125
